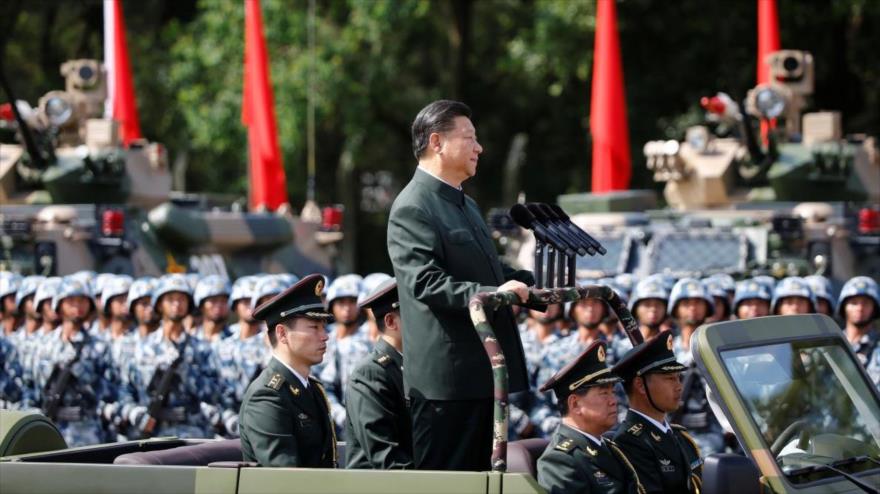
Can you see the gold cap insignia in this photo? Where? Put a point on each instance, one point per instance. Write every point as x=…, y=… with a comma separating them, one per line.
x=319, y=287
x=601, y=353
x=669, y=342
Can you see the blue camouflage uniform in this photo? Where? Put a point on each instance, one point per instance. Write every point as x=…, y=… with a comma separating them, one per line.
x=87, y=399
x=240, y=361
x=12, y=376
x=342, y=355
x=867, y=348
x=192, y=406
x=697, y=414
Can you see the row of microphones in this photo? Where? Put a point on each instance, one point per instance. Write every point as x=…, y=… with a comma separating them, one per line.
x=555, y=235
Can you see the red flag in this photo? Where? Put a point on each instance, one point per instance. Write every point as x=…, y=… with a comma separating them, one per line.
x=268, y=185
x=768, y=36
x=122, y=104
x=611, y=159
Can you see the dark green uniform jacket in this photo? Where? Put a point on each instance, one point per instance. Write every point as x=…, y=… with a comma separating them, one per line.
x=378, y=428
x=664, y=462
x=283, y=424
x=572, y=463
x=443, y=254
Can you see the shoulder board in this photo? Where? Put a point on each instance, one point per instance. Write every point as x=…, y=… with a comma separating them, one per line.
x=566, y=445
x=383, y=360
x=636, y=429
x=275, y=381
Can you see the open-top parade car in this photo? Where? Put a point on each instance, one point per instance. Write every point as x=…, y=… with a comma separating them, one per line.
x=790, y=389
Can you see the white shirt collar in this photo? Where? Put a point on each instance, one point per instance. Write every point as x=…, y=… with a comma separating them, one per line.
x=440, y=179
x=663, y=426
x=303, y=380
x=598, y=441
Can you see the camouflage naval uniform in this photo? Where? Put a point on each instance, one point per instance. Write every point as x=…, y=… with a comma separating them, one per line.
x=190, y=408
x=867, y=348
x=90, y=392
x=340, y=359
x=11, y=378
x=239, y=362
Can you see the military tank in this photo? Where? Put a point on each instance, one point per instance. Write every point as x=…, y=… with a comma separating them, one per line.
x=805, y=200
x=73, y=198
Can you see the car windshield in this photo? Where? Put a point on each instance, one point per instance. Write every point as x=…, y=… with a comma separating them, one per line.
x=809, y=401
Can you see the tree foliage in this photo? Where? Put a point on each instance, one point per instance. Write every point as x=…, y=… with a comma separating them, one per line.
x=523, y=65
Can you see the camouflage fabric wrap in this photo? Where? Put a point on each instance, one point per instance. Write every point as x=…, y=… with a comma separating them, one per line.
x=492, y=301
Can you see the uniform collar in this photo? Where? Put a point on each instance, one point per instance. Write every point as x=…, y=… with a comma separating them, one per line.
x=663, y=427
x=383, y=346
x=303, y=380
x=598, y=441
x=435, y=184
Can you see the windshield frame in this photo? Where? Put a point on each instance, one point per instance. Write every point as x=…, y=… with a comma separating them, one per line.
x=713, y=339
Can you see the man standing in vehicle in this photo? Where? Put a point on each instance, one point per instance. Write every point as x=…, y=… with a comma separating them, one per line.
x=859, y=306
x=443, y=254
x=378, y=430
x=285, y=414
x=665, y=456
x=578, y=458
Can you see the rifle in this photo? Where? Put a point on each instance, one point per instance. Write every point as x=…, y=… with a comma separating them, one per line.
x=160, y=393
x=57, y=383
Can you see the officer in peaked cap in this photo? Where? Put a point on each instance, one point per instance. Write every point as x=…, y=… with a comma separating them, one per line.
x=665, y=456
x=578, y=458
x=378, y=430
x=285, y=415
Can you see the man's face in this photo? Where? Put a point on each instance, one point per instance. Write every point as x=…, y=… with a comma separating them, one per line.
x=589, y=312
x=243, y=310
x=459, y=149
x=28, y=309
x=823, y=307
x=597, y=407
x=859, y=309
x=143, y=310
x=216, y=308
x=751, y=308
x=665, y=390
x=119, y=307
x=75, y=309
x=345, y=310
x=720, y=310
x=305, y=340
x=50, y=317
x=651, y=311
x=691, y=311
x=793, y=305
x=175, y=306
x=9, y=305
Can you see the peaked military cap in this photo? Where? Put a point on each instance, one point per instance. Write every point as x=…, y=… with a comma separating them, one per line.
x=652, y=356
x=301, y=300
x=588, y=369
x=383, y=299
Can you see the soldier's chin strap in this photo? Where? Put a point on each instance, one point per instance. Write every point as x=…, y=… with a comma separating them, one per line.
x=648, y=394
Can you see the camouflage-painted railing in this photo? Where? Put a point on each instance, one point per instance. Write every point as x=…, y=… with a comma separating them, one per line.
x=492, y=301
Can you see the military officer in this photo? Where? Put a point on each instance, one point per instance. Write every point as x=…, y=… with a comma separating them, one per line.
x=792, y=295
x=578, y=458
x=859, y=306
x=285, y=415
x=442, y=253
x=171, y=387
x=751, y=299
x=378, y=430
x=75, y=382
x=211, y=298
x=665, y=456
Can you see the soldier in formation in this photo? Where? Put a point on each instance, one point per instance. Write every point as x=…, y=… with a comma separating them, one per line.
x=859, y=306
x=377, y=429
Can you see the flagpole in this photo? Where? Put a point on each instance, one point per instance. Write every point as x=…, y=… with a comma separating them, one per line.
x=310, y=180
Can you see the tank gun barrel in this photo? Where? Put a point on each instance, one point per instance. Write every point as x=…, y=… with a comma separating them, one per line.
x=39, y=159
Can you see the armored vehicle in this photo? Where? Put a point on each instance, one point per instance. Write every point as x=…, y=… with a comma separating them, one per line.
x=803, y=200
x=74, y=197
x=790, y=389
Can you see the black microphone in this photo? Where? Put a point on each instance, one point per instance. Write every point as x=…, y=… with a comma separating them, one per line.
x=545, y=212
x=565, y=217
x=522, y=217
x=572, y=242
